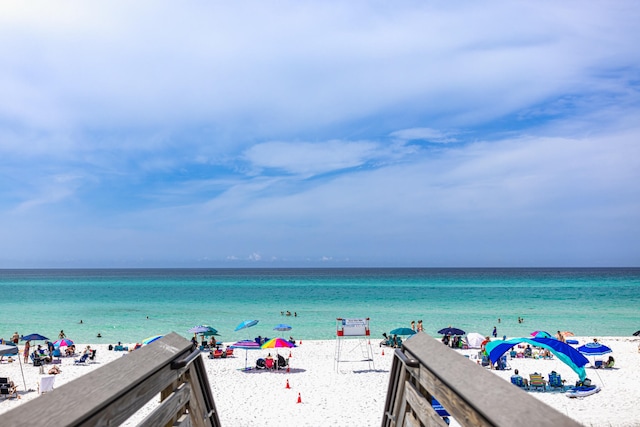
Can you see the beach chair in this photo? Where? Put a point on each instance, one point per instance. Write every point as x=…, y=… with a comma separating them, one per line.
x=82, y=360
x=556, y=381
x=8, y=390
x=268, y=363
x=537, y=381
x=598, y=364
x=229, y=352
x=502, y=364
x=217, y=354
x=282, y=362
x=37, y=360
x=260, y=363
x=517, y=380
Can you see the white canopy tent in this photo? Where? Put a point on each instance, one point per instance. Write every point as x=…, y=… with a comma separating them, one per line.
x=474, y=340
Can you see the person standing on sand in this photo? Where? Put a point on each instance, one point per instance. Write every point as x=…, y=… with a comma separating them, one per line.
x=27, y=346
x=15, y=337
x=495, y=332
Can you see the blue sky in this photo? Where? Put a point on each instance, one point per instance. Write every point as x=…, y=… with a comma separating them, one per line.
x=337, y=134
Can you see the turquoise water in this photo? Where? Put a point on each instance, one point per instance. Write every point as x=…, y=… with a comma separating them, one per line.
x=116, y=303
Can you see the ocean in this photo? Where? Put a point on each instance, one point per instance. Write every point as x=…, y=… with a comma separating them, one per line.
x=129, y=305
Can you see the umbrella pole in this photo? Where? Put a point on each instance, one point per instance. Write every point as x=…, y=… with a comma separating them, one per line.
x=22, y=371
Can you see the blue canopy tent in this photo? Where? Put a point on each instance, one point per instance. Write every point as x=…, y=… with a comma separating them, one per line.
x=567, y=354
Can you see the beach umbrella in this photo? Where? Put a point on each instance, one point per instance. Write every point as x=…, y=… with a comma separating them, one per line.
x=278, y=343
x=474, y=340
x=151, y=339
x=594, y=349
x=541, y=334
x=402, y=331
x=200, y=329
x=11, y=350
x=282, y=327
x=246, y=324
x=636, y=333
x=64, y=342
x=246, y=345
x=451, y=331
x=34, y=337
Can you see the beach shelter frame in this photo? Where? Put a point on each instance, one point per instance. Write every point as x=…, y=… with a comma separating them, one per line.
x=9, y=349
x=565, y=353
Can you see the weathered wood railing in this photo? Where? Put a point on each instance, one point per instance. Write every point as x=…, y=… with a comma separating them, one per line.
x=170, y=368
x=425, y=369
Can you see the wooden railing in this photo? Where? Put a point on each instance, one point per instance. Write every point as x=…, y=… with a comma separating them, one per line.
x=168, y=375
x=425, y=369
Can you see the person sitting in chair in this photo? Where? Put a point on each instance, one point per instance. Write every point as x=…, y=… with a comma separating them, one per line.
x=528, y=352
x=610, y=362
x=518, y=380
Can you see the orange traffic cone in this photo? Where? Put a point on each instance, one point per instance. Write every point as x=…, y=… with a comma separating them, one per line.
x=299, y=399
x=288, y=370
x=287, y=386
x=289, y=354
x=300, y=342
x=383, y=351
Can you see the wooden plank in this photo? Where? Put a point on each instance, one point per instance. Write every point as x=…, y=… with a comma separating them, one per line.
x=197, y=407
x=422, y=407
x=208, y=404
x=474, y=396
x=183, y=421
x=410, y=421
x=169, y=408
x=114, y=389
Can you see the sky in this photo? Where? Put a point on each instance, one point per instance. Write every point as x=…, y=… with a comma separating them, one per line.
x=319, y=134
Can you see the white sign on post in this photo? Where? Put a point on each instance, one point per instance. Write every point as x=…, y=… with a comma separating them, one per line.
x=352, y=327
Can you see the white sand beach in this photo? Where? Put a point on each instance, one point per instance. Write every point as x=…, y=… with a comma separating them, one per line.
x=354, y=394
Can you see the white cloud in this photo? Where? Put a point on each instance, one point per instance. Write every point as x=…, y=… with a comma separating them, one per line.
x=426, y=134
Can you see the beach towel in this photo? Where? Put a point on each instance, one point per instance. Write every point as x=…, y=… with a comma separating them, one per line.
x=46, y=383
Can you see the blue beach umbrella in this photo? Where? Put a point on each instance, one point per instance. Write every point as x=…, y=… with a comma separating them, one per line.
x=151, y=339
x=402, y=331
x=246, y=324
x=567, y=354
x=34, y=337
x=541, y=334
x=282, y=327
x=451, y=331
x=246, y=345
x=200, y=329
x=594, y=349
